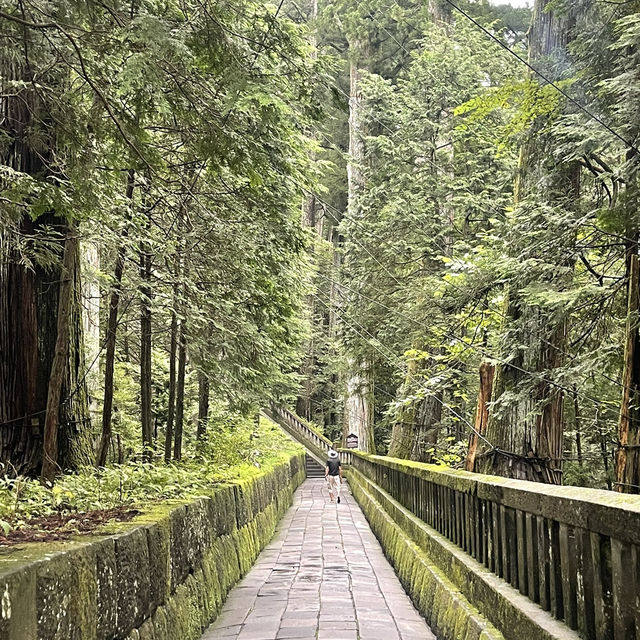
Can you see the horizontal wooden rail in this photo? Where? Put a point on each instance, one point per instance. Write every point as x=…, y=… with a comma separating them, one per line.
x=303, y=433
x=573, y=551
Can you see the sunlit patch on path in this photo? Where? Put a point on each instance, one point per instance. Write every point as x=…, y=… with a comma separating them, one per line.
x=323, y=577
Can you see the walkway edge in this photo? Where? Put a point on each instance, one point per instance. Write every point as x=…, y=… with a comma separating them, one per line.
x=441, y=579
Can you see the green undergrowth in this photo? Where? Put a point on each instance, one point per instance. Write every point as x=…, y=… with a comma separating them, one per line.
x=317, y=429
x=236, y=448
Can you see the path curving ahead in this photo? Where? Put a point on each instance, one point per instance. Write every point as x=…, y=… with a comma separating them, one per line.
x=323, y=577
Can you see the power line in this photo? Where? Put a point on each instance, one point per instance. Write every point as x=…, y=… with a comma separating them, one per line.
x=398, y=361
x=492, y=450
x=395, y=134
x=546, y=78
x=480, y=350
x=451, y=284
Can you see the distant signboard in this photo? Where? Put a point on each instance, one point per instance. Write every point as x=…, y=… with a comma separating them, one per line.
x=352, y=441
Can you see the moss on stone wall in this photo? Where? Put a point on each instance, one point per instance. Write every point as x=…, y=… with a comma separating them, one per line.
x=162, y=577
x=446, y=610
x=505, y=607
x=508, y=610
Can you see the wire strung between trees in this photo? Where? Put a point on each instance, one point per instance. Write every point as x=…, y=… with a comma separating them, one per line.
x=480, y=350
x=493, y=449
x=546, y=78
x=394, y=359
x=396, y=135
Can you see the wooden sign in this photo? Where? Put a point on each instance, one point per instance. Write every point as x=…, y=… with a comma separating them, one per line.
x=352, y=441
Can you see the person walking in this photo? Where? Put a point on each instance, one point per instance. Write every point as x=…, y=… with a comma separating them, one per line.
x=333, y=475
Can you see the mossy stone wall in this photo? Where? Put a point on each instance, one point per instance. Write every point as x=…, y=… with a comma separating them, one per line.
x=448, y=612
x=162, y=577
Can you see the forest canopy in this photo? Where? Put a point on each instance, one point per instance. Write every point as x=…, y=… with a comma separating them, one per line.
x=414, y=222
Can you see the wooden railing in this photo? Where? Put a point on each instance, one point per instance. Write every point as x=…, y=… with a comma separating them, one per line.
x=574, y=551
x=305, y=435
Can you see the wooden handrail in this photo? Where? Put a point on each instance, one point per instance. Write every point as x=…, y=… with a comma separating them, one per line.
x=305, y=433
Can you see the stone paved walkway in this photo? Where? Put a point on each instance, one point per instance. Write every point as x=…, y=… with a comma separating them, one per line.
x=323, y=577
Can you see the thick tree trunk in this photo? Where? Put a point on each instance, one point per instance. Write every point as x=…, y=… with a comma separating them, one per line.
x=628, y=455
x=404, y=427
x=182, y=363
x=440, y=11
x=428, y=420
x=203, y=405
x=527, y=436
x=416, y=429
x=110, y=340
x=359, y=409
x=358, y=403
x=487, y=371
x=29, y=302
x=90, y=267
x=50, y=467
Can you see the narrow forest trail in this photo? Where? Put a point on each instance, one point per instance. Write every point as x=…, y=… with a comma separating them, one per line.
x=323, y=577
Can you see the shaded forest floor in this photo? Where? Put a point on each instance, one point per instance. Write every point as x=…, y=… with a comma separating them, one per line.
x=80, y=503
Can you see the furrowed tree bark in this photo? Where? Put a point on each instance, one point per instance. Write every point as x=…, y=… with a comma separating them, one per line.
x=416, y=429
x=50, y=467
x=527, y=434
x=628, y=454
x=403, y=430
x=359, y=388
x=29, y=295
x=203, y=405
x=440, y=11
x=487, y=371
x=111, y=333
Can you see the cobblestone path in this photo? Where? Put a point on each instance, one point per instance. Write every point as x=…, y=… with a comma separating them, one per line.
x=323, y=577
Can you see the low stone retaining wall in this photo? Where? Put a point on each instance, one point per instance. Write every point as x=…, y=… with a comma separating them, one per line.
x=443, y=581
x=164, y=577
x=540, y=561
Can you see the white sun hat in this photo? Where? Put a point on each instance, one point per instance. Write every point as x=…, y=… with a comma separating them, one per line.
x=333, y=454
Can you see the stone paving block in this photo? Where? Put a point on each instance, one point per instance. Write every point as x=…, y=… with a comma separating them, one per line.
x=345, y=635
x=338, y=625
x=296, y=632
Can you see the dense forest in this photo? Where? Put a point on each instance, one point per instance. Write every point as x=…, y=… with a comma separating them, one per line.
x=413, y=222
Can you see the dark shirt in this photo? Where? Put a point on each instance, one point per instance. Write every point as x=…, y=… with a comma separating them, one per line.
x=334, y=466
